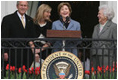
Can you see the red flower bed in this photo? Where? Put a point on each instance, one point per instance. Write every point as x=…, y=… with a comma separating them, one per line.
x=104, y=71
x=31, y=72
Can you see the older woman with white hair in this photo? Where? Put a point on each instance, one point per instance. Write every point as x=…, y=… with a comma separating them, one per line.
x=106, y=29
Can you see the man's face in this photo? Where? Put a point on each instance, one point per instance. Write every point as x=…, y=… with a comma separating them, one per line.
x=22, y=7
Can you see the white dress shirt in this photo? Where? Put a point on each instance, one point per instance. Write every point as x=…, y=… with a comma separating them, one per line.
x=19, y=15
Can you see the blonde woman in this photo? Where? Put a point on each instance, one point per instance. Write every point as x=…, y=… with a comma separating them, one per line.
x=42, y=20
x=42, y=23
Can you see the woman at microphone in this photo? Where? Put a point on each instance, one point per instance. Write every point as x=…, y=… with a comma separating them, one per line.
x=65, y=23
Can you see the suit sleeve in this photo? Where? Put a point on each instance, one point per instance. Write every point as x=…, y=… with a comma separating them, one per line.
x=5, y=28
x=53, y=26
x=94, y=32
x=5, y=32
x=78, y=29
x=115, y=32
x=115, y=42
x=33, y=31
x=31, y=28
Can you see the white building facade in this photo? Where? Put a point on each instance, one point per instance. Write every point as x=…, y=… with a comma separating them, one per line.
x=8, y=7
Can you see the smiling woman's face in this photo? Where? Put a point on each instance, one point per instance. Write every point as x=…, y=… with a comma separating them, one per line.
x=101, y=17
x=64, y=11
x=47, y=15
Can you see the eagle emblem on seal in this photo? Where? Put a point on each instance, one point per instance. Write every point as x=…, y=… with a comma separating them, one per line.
x=62, y=70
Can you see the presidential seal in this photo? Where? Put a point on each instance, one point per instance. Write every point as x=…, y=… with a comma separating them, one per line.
x=62, y=65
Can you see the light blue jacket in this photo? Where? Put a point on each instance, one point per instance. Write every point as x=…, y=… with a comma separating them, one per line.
x=73, y=25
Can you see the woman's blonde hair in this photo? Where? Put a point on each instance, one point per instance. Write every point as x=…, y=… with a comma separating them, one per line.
x=39, y=14
x=62, y=4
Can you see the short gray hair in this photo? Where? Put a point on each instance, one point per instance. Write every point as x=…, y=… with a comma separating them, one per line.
x=107, y=11
x=19, y=1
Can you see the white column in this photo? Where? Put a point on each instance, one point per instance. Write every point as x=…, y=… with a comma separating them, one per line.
x=112, y=4
x=33, y=5
x=7, y=7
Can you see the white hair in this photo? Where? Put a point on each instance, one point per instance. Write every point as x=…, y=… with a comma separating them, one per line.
x=107, y=11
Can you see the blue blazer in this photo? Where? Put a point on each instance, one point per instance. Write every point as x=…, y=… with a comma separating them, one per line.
x=73, y=25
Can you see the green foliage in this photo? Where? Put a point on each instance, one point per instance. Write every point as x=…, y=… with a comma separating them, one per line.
x=30, y=73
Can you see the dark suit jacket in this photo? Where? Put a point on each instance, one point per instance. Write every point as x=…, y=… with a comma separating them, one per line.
x=12, y=28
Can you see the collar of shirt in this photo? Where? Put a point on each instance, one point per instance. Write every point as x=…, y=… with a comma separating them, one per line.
x=42, y=25
x=102, y=26
x=19, y=15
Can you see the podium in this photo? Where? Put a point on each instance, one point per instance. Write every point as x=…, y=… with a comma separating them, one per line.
x=63, y=34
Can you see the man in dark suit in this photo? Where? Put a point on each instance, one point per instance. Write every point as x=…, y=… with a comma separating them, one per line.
x=18, y=25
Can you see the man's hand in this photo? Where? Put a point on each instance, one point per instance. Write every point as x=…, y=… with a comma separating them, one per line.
x=33, y=46
x=5, y=56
